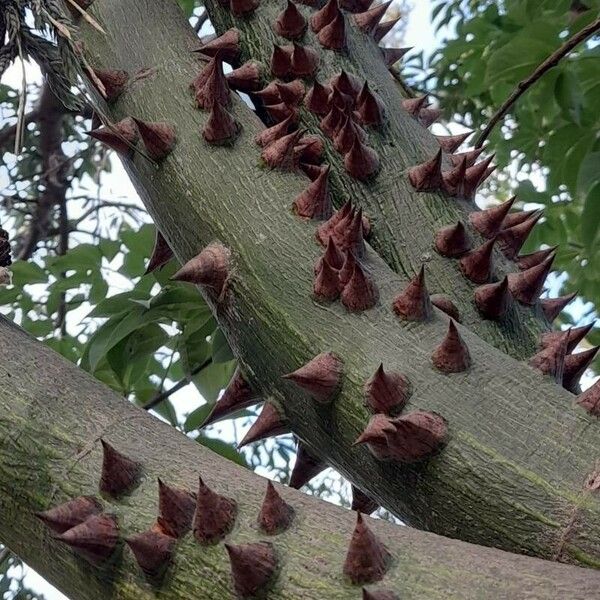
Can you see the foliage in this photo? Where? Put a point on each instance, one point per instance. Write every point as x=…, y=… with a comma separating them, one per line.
x=548, y=148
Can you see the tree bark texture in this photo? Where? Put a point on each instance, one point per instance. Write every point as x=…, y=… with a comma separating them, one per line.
x=515, y=473
x=52, y=416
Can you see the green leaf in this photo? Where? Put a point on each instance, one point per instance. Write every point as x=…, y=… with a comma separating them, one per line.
x=569, y=96
x=212, y=379
x=220, y=348
x=516, y=60
x=589, y=175
x=590, y=218
x=25, y=272
x=222, y=448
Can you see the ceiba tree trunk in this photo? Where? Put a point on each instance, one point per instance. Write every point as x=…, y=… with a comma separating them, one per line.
x=53, y=416
x=516, y=472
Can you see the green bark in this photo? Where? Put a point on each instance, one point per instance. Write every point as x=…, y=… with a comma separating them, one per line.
x=52, y=416
x=513, y=475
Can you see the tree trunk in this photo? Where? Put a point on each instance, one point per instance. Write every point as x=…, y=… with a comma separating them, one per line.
x=52, y=418
x=514, y=473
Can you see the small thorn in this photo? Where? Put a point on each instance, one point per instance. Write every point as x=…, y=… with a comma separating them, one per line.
x=575, y=366
x=280, y=153
x=333, y=256
x=347, y=134
x=446, y=305
x=120, y=475
x=333, y=35
x=325, y=231
x=413, y=303
x=428, y=116
x=452, y=355
x=384, y=28
x=304, y=61
x=290, y=23
x=243, y=8
x=210, y=268
x=427, y=176
x=526, y=261
x=211, y=85
x=348, y=234
x=316, y=100
x=332, y=121
x=269, y=423
x=551, y=360
x=153, y=552
x=114, y=82
x=290, y=93
x=159, y=138
x=390, y=57
x=552, y=307
x=275, y=513
x=511, y=240
x=310, y=150
x=575, y=335
x=270, y=94
x=120, y=137
x=63, y=517
x=493, y=299
x=489, y=222
x=237, y=395
x=361, y=502
x=590, y=399
x=228, y=45
x=368, y=20
x=176, y=508
x=253, y=568
x=281, y=61
x=321, y=377
x=452, y=241
x=527, y=286
x=276, y=132
x=518, y=217
x=311, y=171
x=161, y=253
x=477, y=264
x=414, y=105
x=367, y=559
x=214, y=517
x=369, y=107
x=361, y=162
x=453, y=179
x=346, y=84
x=327, y=283
x=387, y=393
x=281, y=111
x=315, y=201
x=246, y=78
x=221, y=128
x=95, y=539
x=451, y=143
x=306, y=466
x=471, y=157
x=359, y=293
x=475, y=176
x=324, y=16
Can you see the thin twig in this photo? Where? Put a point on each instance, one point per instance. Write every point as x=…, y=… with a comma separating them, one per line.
x=524, y=85
x=201, y=20
x=164, y=395
x=4, y=555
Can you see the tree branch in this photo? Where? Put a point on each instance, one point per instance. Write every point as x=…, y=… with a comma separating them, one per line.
x=527, y=83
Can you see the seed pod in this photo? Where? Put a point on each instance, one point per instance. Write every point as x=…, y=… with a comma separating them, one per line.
x=290, y=23
x=413, y=303
x=361, y=502
x=161, y=253
x=210, y=269
x=304, y=61
x=63, y=517
x=268, y=424
x=452, y=241
x=324, y=16
x=307, y=466
x=159, y=138
x=445, y=305
x=221, y=128
x=316, y=100
x=243, y=8
x=527, y=286
x=276, y=132
x=367, y=559
x=120, y=475
x=427, y=177
x=246, y=78
x=95, y=539
x=237, y=395
x=451, y=143
x=153, y=552
x=387, y=393
x=489, y=222
x=321, y=377
x=361, y=162
x=552, y=307
x=452, y=355
x=253, y=568
x=575, y=366
x=590, y=400
x=359, y=293
x=275, y=513
x=493, y=299
x=280, y=153
x=176, y=508
x=214, y=517
x=368, y=20
x=551, y=360
x=477, y=265
x=120, y=137
x=114, y=82
x=281, y=61
x=228, y=45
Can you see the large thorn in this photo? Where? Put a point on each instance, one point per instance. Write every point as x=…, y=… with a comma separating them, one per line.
x=361, y=162
x=153, y=552
x=159, y=138
x=367, y=559
x=304, y=61
x=367, y=21
x=315, y=201
x=590, y=399
x=280, y=153
x=384, y=28
x=414, y=105
x=452, y=355
x=348, y=132
x=427, y=177
x=511, y=240
x=493, y=299
x=326, y=286
x=176, y=508
x=214, y=88
x=387, y=393
x=451, y=143
x=242, y=8
x=551, y=360
x=321, y=377
x=333, y=35
x=210, y=268
x=120, y=137
x=114, y=82
x=361, y=502
x=489, y=222
x=369, y=107
x=552, y=307
x=445, y=304
x=214, y=517
x=161, y=253
x=253, y=568
x=268, y=424
x=333, y=256
x=74, y=512
x=324, y=16
x=237, y=395
x=346, y=84
x=317, y=99
x=275, y=514
x=290, y=23
x=471, y=157
x=281, y=61
x=274, y=133
x=120, y=475
x=221, y=129
x=348, y=233
x=452, y=241
x=413, y=303
x=575, y=366
x=575, y=335
x=228, y=45
x=454, y=179
x=518, y=217
x=527, y=286
x=477, y=265
x=526, y=261
x=246, y=78
x=475, y=176
x=359, y=293
x=390, y=57
x=307, y=466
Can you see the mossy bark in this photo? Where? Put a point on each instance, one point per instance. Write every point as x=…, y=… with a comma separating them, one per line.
x=514, y=473
x=52, y=416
